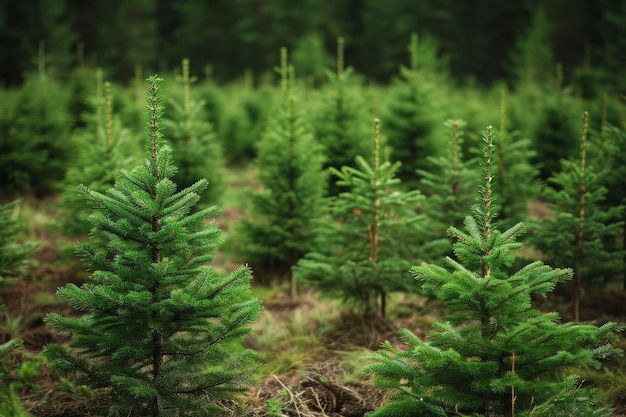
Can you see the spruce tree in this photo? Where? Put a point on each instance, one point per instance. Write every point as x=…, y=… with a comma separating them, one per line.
x=583, y=230
x=161, y=327
x=280, y=227
x=449, y=187
x=13, y=254
x=494, y=354
x=613, y=158
x=339, y=122
x=106, y=147
x=410, y=119
x=33, y=158
x=364, y=248
x=194, y=142
x=517, y=175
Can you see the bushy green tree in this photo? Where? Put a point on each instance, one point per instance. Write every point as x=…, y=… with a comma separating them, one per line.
x=13, y=254
x=613, y=158
x=280, y=227
x=193, y=141
x=584, y=229
x=340, y=120
x=449, y=186
x=106, y=147
x=364, y=248
x=161, y=327
x=34, y=149
x=493, y=354
x=410, y=119
x=517, y=172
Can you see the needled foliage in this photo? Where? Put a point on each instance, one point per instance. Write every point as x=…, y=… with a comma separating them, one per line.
x=5, y=351
x=613, y=158
x=449, y=187
x=554, y=129
x=160, y=329
x=364, y=248
x=106, y=147
x=193, y=141
x=517, y=175
x=494, y=354
x=34, y=149
x=584, y=230
x=410, y=118
x=340, y=120
x=282, y=212
x=13, y=254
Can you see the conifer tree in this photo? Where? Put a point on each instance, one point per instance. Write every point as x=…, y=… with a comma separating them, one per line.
x=494, y=354
x=449, y=186
x=340, y=120
x=517, y=176
x=193, y=141
x=554, y=135
x=613, y=158
x=364, y=249
x=106, y=148
x=280, y=227
x=32, y=155
x=410, y=119
x=583, y=225
x=160, y=326
x=13, y=254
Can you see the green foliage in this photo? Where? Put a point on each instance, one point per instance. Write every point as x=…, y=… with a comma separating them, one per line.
x=494, y=354
x=193, y=142
x=5, y=350
x=532, y=61
x=34, y=146
x=282, y=213
x=517, y=175
x=159, y=323
x=584, y=230
x=340, y=120
x=363, y=249
x=10, y=404
x=13, y=254
x=449, y=187
x=105, y=148
x=410, y=119
x=613, y=159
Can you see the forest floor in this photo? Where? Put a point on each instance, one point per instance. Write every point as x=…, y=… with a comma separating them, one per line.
x=312, y=349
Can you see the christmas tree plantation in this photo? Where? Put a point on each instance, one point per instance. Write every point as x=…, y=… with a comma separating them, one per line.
x=161, y=327
x=494, y=355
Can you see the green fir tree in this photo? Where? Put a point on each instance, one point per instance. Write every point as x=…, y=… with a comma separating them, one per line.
x=517, y=175
x=410, y=119
x=106, y=147
x=613, y=158
x=34, y=147
x=13, y=253
x=449, y=186
x=494, y=354
x=365, y=248
x=280, y=227
x=161, y=328
x=193, y=141
x=584, y=230
x=339, y=122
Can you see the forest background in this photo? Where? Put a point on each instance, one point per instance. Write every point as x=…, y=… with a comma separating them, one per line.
x=477, y=37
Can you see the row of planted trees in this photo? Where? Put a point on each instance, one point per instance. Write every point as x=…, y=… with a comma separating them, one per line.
x=169, y=318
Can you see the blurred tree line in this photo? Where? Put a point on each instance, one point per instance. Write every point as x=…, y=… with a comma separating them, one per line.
x=479, y=37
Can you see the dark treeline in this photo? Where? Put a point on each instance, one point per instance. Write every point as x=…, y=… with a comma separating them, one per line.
x=477, y=37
